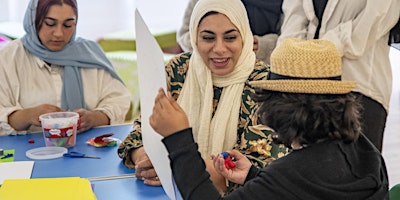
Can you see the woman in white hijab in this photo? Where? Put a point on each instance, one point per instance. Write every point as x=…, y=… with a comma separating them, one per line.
x=212, y=86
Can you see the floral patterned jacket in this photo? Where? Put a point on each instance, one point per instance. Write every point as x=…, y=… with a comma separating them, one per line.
x=254, y=140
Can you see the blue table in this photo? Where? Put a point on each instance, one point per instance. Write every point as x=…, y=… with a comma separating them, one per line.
x=109, y=164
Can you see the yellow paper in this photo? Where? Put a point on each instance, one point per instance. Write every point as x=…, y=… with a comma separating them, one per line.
x=71, y=188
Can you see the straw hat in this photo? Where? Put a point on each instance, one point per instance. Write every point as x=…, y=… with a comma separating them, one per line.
x=306, y=66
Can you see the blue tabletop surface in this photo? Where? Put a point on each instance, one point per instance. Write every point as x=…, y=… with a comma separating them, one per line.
x=109, y=164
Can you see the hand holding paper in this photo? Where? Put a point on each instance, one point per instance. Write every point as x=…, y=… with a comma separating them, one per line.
x=151, y=71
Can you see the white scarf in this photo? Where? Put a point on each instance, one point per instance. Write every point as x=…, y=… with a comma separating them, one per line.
x=219, y=133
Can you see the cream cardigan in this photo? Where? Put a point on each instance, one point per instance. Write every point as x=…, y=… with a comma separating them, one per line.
x=360, y=30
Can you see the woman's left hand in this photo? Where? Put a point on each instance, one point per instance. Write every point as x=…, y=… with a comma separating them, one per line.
x=89, y=119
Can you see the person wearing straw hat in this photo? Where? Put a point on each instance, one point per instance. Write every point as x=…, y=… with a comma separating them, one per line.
x=313, y=112
x=212, y=85
x=360, y=30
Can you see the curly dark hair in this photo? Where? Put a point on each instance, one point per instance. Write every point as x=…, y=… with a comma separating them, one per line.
x=309, y=118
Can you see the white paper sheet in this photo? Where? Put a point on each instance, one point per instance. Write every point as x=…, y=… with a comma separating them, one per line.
x=15, y=170
x=151, y=74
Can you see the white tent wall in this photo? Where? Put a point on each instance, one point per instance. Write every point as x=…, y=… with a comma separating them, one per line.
x=100, y=17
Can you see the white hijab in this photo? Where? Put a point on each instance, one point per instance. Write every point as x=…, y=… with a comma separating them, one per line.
x=219, y=133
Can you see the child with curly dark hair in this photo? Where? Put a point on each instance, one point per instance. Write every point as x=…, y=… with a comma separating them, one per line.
x=312, y=111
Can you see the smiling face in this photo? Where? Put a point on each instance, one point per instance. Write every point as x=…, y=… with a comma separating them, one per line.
x=219, y=43
x=58, y=27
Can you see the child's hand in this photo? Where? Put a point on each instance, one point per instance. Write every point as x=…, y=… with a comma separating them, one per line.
x=236, y=174
x=167, y=117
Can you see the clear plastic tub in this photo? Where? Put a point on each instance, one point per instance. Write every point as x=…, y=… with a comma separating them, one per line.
x=59, y=128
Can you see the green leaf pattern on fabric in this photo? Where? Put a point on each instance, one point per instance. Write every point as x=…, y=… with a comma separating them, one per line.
x=254, y=140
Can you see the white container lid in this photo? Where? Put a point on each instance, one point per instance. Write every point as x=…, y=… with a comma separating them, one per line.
x=43, y=153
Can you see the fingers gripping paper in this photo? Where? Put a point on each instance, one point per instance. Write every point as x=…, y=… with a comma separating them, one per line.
x=151, y=73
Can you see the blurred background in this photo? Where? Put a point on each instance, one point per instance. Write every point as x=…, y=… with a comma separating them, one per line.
x=100, y=17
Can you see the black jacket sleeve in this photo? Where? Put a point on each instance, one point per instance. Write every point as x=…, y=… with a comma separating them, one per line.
x=188, y=168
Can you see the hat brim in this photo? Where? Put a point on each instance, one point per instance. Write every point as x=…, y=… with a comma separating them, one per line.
x=306, y=86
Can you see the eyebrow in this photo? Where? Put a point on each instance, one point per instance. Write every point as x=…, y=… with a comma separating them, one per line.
x=69, y=19
x=226, y=32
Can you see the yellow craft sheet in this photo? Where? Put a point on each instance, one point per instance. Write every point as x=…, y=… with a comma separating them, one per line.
x=71, y=188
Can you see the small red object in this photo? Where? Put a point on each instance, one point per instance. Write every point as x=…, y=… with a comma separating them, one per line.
x=229, y=164
x=99, y=139
x=31, y=141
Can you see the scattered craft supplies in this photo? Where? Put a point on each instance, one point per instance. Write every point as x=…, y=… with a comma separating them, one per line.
x=7, y=155
x=104, y=140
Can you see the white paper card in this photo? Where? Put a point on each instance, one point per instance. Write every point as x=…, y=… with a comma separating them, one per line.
x=151, y=74
x=15, y=170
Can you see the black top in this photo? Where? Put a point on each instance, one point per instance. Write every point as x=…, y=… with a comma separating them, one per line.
x=319, y=8
x=394, y=36
x=328, y=170
x=264, y=15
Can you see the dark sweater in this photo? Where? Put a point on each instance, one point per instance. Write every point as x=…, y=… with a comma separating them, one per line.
x=264, y=16
x=329, y=170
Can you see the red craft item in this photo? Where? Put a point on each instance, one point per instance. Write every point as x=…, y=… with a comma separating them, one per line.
x=229, y=164
x=103, y=140
x=99, y=139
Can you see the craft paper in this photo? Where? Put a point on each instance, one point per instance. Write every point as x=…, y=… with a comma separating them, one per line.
x=151, y=74
x=15, y=170
x=68, y=188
